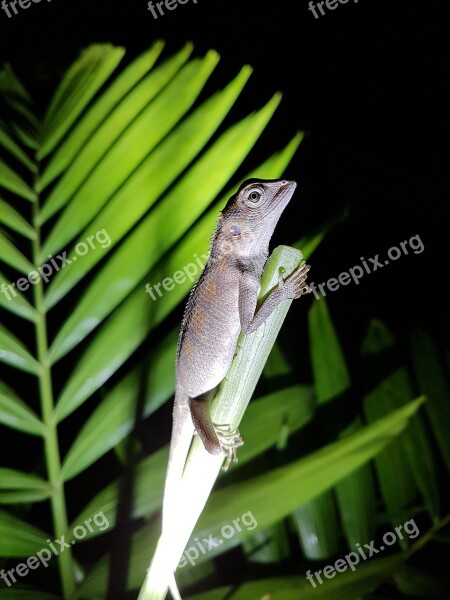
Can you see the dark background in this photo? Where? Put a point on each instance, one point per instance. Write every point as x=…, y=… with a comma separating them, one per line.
x=368, y=82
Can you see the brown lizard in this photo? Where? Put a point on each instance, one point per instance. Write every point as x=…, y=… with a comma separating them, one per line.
x=222, y=304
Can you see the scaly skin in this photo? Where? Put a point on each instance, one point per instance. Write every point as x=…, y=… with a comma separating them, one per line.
x=224, y=300
x=222, y=304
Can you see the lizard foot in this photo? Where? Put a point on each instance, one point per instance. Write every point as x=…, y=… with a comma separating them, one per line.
x=295, y=285
x=230, y=440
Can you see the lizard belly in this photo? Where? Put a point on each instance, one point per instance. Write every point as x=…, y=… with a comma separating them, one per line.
x=210, y=342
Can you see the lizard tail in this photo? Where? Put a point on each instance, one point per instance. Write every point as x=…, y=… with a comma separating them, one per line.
x=182, y=431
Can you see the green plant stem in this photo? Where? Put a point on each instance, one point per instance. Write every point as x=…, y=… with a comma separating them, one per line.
x=52, y=457
x=227, y=407
x=429, y=535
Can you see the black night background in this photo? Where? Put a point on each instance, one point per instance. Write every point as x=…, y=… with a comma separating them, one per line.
x=368, y=83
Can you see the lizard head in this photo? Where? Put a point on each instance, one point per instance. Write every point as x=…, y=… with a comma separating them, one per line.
x=250, y=216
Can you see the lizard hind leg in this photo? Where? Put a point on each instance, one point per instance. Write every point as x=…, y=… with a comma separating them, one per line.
x=199, y=407
x=214, y=438
x=230, y=441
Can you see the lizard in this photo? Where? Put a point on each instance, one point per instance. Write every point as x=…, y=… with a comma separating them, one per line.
x=223, y=303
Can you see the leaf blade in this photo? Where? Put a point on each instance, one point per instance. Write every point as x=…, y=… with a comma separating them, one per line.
x=16, y=414
x=18, y=538
x=12, y=182
x=80, y=83
x=13, y=257
x=15, y=221
x=115, y=417
x=432, y=382
x=11, y=479
x=14, y=301
x=291, y=408
x=92, y=119
x=272, y=502
x=120, y=276
x=305, y=478
x=316, y=524
x=356, y=500
x=407, y=465
x=143, y=135
x=14, y=353
x=134, y=316
x=151, y=178
x=108, y=133
x=14, y=149
x=330, y=371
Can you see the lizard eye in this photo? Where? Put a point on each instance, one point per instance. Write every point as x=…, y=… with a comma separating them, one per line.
x=254, y=196
x=234, y=230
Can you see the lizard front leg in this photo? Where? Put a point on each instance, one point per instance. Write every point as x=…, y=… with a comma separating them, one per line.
x=218, y=438
x=292, y=287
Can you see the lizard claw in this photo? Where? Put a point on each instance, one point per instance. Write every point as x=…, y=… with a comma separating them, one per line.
x=296, y=282
x=230, y=440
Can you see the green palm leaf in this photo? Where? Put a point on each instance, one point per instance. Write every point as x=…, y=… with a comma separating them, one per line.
x=18, y=538
x=14, y=220
x=125, y=175
x=13, y=300
x=16, y=487
x=296, y=483
x=82, y=147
